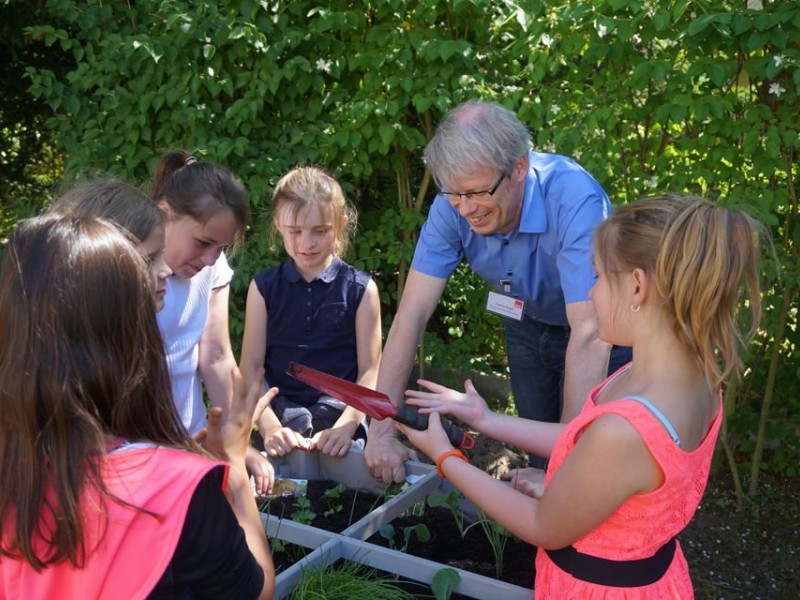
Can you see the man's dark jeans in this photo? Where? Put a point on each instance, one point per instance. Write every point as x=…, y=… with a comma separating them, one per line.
x=536, y=354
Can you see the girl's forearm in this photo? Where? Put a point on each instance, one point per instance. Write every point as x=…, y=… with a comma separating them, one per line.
x=216, y=376
x=268, y=422
x=512, y=509
x=244, y=507
x=532, y=436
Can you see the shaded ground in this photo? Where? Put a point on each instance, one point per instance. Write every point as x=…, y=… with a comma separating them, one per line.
x=749, y=554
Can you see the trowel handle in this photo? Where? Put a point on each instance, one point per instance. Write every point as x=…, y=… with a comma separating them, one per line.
x=458, y=438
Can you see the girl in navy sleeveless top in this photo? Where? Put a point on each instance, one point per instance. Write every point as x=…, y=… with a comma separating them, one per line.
x=313, y=309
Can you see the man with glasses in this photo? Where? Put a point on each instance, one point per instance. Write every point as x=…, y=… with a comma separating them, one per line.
x=524, y=222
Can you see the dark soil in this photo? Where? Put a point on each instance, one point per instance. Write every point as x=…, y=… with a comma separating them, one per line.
x=745, y=554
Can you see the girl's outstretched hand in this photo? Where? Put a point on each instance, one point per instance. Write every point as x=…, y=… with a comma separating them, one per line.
x=433, y=441
x=468, y=406
x=229, y=431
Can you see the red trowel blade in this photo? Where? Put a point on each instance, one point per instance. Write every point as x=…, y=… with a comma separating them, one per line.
x=373, y=404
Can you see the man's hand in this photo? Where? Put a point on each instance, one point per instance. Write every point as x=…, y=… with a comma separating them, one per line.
x=385, y=454
x=529, y=481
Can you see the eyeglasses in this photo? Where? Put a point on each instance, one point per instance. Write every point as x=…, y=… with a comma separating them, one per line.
x=473, y=195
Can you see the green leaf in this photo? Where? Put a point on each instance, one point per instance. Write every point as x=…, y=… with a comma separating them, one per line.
x=661, y=19
x=422, y=102
x=420, y=531
x=759, y=39
x=386, y=132
x=704, y=21
x=444, y=582
x=387, y=531
x=71, y=105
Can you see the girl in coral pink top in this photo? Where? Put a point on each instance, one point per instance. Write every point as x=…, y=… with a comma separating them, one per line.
x=104, y=493
x=627, y=474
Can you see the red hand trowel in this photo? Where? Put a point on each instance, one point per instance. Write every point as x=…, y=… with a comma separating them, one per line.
x=373, y=404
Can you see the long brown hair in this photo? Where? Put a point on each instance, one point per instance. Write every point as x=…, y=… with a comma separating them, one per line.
x=704, y=259
x=81, y=359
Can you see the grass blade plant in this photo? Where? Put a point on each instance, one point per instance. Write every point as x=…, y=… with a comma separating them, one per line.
x=497, y=536
x=345, y=581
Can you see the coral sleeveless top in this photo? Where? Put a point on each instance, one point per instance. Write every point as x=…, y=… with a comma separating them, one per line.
x=129, y=549
x=644, y=522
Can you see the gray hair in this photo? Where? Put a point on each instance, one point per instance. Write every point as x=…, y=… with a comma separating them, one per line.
x=476, y=135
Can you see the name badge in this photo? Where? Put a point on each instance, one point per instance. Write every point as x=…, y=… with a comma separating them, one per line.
x=505, y=306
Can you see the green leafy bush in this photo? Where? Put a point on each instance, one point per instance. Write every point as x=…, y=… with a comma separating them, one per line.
x=680, y=96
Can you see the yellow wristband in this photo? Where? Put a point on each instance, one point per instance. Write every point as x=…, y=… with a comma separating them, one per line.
x=444, y=455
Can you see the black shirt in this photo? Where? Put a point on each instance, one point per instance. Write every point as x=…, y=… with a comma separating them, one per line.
x=212, y=559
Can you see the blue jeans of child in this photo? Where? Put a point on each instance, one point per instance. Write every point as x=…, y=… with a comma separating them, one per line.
x=536, y=353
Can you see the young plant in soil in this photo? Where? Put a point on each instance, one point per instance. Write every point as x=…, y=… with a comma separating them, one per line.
x=496, y=534
x=445, y=529
x=450, y=502
x=333, y=499
x=303, y=513
x=420, y=531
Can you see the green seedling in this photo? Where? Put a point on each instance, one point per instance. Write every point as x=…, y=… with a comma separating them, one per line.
x=303, y=514
x=346, y=581
x=497, y=535
x=451, y=501
x=444, y=582
x=389, y=533
x=333, y=499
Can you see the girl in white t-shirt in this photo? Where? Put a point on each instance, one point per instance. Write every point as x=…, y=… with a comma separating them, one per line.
x=207, y=209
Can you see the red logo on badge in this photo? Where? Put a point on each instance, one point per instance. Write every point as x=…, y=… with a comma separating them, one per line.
x=518, y=303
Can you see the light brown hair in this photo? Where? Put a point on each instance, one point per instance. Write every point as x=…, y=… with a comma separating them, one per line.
x=121, y=203
x=704, y=260
x=306, y=186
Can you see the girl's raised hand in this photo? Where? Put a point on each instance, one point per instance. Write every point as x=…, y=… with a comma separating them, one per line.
x=468, y=406
x=433, y=441
x=229, y=431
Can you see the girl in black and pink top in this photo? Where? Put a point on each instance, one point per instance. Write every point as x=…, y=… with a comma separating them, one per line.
x=104, y=493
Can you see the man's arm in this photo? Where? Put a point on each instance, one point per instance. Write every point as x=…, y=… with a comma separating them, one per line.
x=586, y=362
x=420, y=298
x=384, y=452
